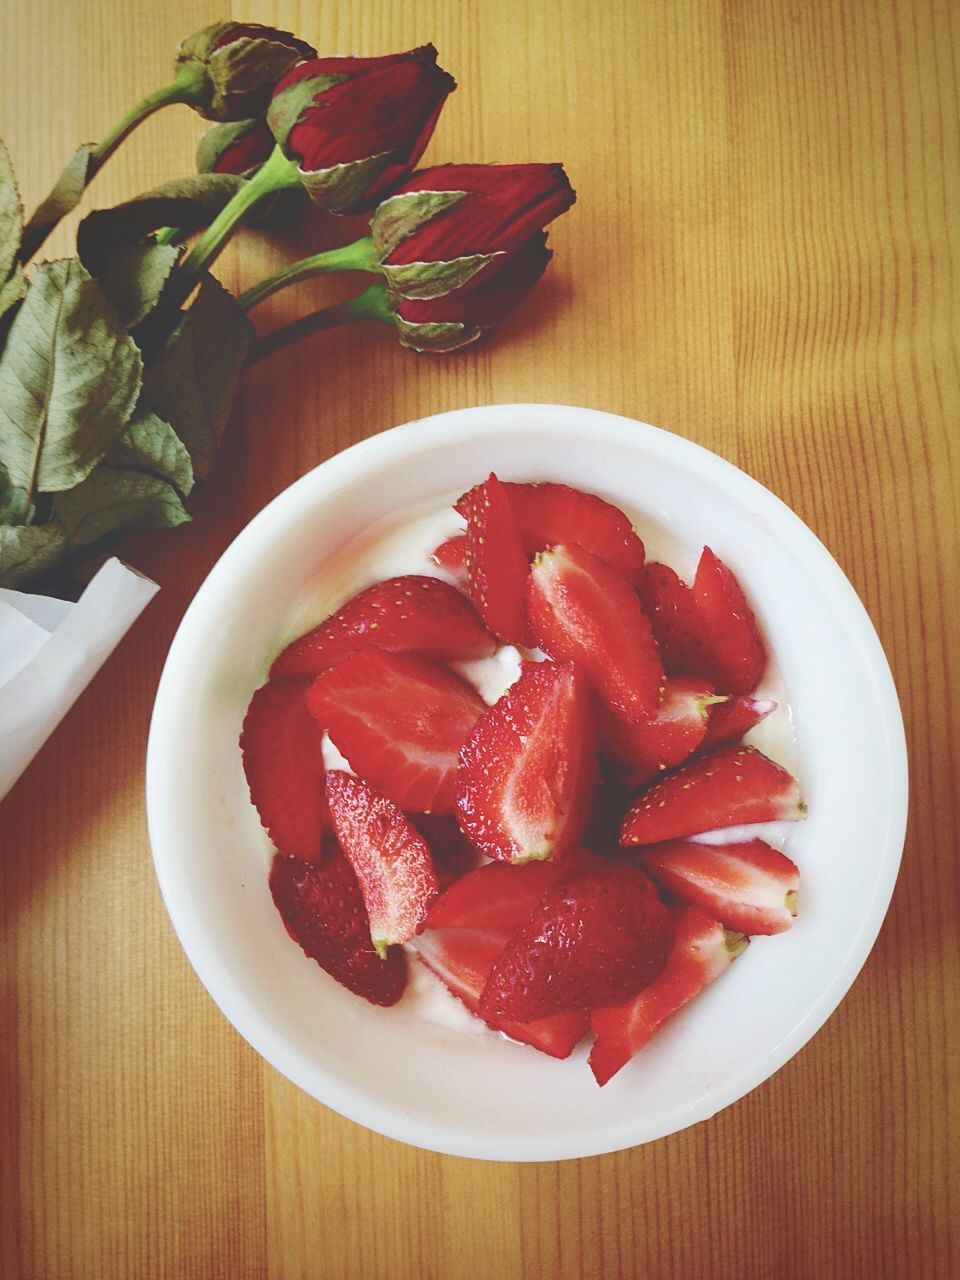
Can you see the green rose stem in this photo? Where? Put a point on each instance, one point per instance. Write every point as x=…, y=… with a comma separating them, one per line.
x=190, y=87
x=372, y=304
x=358, y=256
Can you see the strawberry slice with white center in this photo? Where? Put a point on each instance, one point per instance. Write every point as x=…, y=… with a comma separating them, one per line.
x=452, y=556
x=730, y=718
x=389, y=856
x=528, y=769
x=730, y=787
x=496, y=561
x=701, y=951
x=409, y=614
x=400, y=722
x=644, y=748
x=583, y=610
x=550, y=514
x=678, y=625
x=462, y=960
x=747, y=886
x=283, y=760
x=738, y=656
x=322, y=908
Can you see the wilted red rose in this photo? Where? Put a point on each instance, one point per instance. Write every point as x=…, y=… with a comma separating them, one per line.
x=443, y=226
x=236, y=65
x=355, y=126
x=465, y=314
x=239, y=147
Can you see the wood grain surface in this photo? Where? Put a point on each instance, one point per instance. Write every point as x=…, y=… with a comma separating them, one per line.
x=765, y=257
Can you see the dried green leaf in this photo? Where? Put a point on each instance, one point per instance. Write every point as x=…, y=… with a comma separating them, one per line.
x=433, y=279
x=111, y=501
x=191, y=384
x=133, y=276
x=28, y=549
x=13, y=290
x=436, y=338
x=11, y=218
x=399, y=216
x=15, y=504
x=188, y=203
x=64, y=197
x=69, y=378
x=287, y=106
x=150, y=446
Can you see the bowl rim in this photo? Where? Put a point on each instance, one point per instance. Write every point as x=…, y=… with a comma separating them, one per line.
x=449, y=428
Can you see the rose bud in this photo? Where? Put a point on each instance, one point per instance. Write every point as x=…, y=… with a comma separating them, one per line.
x=235, y=65
x=356, y=126
x=465, y=314
x=239, y=147
x=442, y=226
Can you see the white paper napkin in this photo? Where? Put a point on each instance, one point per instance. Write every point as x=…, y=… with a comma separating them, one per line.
x=51, y=649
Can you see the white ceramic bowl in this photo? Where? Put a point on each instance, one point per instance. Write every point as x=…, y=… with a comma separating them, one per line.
x=477, y=1094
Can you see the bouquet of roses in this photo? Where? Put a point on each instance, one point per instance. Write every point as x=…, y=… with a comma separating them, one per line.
x=118, y=367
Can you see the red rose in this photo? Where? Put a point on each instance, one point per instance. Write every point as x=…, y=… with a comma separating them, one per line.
x=355, y=126
x=239, y=147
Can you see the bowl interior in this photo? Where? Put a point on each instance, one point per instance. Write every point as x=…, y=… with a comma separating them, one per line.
x=477, y=1094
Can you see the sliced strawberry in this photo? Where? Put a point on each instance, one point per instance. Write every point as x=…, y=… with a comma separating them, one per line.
x=496, y=562
x=410, y=614
x=283, y=760
x=729, y=720
x=593, y=939
x=389, y=856
x=323, y=911
x=528, y=769
x=549, y=514
x=583, y=610
x=452, y=556
x=749, y=886
x=678, y=625
x=454, y=856
x=738, y=657
x=500, y=896
x=701, y=951
x=400, y=721
x=645, y=748
x=727, y=788
x=462, y=959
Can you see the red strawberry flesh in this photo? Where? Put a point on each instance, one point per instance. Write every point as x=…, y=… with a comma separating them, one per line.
x=528, y=769
x=729, y=720
x=701, y=951
x=583, y=610
x=678, y=625
x=496, y=562
x=409, y=614
x=400, y=721
x=644, y=748
x=748, y=886
x=283, y=761
x=738, y=656
x=500, y=896
x=594, y=938
x=322, y=909
x=452, y=556
x=454, y=856
x=550, y=514
x=729, y=787
x=390, y=858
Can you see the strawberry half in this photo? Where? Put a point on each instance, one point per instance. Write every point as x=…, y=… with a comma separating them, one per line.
x=401, y=615
x=400, y=721
x=730, y=719
x=452, y=556
x=528, y=769
x=389, y=856
x=549, y=514
x=322, y=908
x=462, y=959
x=583, y=610
x=593, y=939
x=495, y=560
x=500, y=896
x=750, y=886
x=678, y=625
x=738, y=657
x=644, y=748
x=453, y=854
x=727, y=788
x=283, y=760
x=701, y=951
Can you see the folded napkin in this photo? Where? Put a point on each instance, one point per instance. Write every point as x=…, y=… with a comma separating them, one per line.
x=51, y=649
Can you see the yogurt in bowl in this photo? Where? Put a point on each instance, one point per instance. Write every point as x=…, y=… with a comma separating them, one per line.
x=421, y=1076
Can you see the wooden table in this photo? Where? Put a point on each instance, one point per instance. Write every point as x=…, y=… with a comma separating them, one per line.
x=764, y=258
